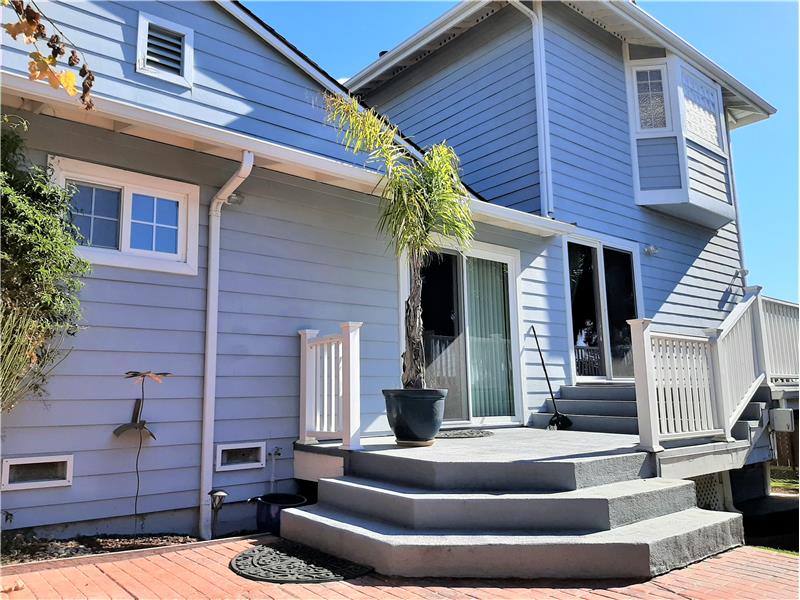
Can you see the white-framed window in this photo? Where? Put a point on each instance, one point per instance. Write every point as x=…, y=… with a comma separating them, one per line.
x=130, y=219
x=165, y=50
x=652, y=98
x=244, y=455
x=32, y=472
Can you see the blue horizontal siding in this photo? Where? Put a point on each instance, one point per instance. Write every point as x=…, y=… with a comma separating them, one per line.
x=659, y=165
x=691, y=283
x=240, y=82
x=477, y=93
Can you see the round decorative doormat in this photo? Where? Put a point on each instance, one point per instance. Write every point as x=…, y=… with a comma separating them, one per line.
x=289, y=562
x=463, y=433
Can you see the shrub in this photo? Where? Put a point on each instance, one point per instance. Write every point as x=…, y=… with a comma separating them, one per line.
x=40, y=272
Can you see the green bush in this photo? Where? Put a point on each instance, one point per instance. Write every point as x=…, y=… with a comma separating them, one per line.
x=40, y=272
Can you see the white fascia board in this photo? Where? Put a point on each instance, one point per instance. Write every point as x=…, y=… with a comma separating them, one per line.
x=213, y=136
x=411, y=44
x=671, y=40
x=516, y=220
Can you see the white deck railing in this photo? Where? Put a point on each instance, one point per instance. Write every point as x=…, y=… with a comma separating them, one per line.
x=781, y=322
x=330, y=388
x=693, y=386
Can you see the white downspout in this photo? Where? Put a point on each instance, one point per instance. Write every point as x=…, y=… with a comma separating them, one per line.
x=210, y=365
x=534, y=14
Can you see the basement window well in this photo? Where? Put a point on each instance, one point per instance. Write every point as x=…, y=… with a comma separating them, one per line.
x=249, y=455
x=36, y=472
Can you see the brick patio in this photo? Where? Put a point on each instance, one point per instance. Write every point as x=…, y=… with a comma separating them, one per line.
x=201, y=571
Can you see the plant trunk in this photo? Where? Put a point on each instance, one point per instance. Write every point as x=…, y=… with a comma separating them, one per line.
x=414, y=356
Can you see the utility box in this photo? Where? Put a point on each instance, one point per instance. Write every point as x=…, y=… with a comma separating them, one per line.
x=782, y=419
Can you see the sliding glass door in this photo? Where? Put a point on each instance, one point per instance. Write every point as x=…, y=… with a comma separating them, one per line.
x=603, y=298
x=467, y=321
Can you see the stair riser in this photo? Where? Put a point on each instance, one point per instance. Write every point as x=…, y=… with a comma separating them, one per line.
x=598, y=392
x=595, y=407
x=600, y=424
x=506, y=558
x=501, y=476
x=505, y=513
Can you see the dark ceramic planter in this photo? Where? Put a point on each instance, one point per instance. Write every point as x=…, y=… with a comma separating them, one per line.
x=415, y=416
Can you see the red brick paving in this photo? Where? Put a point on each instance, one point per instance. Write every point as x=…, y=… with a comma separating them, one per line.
x=198, y=571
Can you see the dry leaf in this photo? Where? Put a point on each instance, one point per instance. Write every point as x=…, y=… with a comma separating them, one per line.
x=68, y=80
x=24, y=28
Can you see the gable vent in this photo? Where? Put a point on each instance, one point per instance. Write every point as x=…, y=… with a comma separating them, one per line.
x=164, y=49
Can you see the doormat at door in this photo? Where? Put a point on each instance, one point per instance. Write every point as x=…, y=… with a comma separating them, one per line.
x=463, y=433
x=289, y=562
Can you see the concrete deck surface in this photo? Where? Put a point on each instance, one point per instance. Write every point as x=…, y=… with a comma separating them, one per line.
x=507, y=445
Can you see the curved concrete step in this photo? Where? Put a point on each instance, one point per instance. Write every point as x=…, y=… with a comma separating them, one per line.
x=483, y=466
x=643, y=549
x=589, y=509
x=597, y=423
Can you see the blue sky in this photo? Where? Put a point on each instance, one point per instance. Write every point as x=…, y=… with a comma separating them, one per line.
x=755, y=41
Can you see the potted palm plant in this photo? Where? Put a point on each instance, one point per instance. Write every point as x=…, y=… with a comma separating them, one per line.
x=422, y=198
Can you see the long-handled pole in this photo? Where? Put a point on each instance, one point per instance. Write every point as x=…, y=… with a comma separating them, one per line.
x=559, y=420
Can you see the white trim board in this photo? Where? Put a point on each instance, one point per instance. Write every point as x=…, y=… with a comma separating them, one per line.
x=598, y=240
x=493, y=252
x=129, y=182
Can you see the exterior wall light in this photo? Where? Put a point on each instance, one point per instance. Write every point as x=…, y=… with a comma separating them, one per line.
x=651, y=250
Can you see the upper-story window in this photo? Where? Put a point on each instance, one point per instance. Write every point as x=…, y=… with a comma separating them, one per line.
x=651, y=95
x=165, y=50
x=132, y=220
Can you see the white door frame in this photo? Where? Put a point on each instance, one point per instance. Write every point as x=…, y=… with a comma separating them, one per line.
x=501, y=254
x=598, y=241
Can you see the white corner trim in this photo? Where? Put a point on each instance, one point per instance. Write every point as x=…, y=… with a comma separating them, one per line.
x=186, y=78
x=259, y=464
x=29, y=485
x=186, y=194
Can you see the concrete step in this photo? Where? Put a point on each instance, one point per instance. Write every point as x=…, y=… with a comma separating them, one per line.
x=611, y=408
x=620, y=392
x=640, y=550
x=598, y=423
x=745, y=429
x=753, y=411
x=589, y=509
x=446, y=467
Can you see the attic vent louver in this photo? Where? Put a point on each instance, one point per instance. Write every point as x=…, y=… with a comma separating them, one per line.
x=164, y=50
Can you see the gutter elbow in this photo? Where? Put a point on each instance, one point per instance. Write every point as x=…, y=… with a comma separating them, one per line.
x=242, y=173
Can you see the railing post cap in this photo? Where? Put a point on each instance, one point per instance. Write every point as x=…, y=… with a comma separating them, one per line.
x=352, y=324
x=713, y=331
x=753, y=289
x=308, y=332
x=644, y=322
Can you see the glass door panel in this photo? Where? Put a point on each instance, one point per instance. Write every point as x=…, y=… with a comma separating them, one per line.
x=443, y=336
x=621, y=306
x=489, y=339
x=586, y=311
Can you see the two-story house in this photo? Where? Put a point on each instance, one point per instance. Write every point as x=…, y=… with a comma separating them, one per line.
x=232, y=237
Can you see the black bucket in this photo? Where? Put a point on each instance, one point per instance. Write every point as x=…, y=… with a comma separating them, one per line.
x=268, y=510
